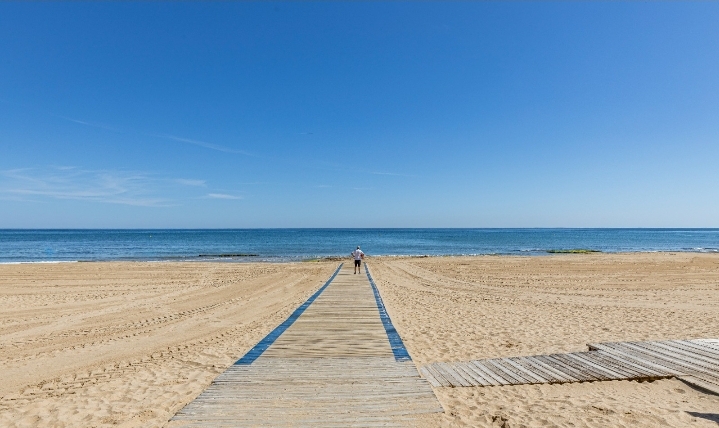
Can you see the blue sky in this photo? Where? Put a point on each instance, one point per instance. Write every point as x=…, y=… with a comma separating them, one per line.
x=361, y=114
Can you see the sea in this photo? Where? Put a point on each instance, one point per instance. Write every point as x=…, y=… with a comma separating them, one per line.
x=279, y=245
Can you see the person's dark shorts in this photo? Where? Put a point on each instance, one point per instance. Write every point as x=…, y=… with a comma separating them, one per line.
x=358, y=262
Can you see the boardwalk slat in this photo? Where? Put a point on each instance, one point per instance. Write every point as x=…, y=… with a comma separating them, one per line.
x=700, y=347
x=497, y=380
x=641, y=370
x=495, y=365
x=585, y=369
x=668, y=355
x=692, y=361
x=488, y=381
x=642, y=359
x=672, y=359
x=560, y=375
x=598, y=366
x=336, y=361
x=451, y=375
x=471, y=374
x=556, y=362
x=622, y=370
x=430, y=377
x=712, y=343
x=518, y=373
x=531, y=375
x=685, y=349
x=500, y=371
x=537, y=369
x=466, y=374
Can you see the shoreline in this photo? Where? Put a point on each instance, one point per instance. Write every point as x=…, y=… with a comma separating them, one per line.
x=282, y=260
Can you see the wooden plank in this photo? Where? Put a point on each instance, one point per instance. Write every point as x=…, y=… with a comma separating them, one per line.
x=498, y=380
x=430, y=377
x=605, y=361
x=714, y=343
x=641, y=359
x=670, y=358
x=460, y=374
x=537, y=369
x=643, y=371
x=685, y=354
x=332, y=366
x=549, y=368
x=468, y=373
x=528, y=374
x=438, y=375
x=517, y=373
x=691, y=353
x=557, y=363
x=700, y=347
x=449, y=374
x=502, y=372
x=697, y=350
x=581, y=366
x=488, y=381
x=602, y=367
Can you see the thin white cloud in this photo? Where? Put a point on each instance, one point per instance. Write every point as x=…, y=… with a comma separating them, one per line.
x=83, y=122
x=199, y=143
x=104, y=186
x=222, y=196
x=204, y=144
x=391, y=173
x=189, y=182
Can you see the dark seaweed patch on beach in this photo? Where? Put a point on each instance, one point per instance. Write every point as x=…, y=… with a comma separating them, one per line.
x=228, y=255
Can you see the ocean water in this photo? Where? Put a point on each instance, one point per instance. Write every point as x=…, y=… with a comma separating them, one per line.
x=299, y=244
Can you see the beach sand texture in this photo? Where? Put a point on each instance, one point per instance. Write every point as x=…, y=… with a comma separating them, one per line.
x=128, y=344
x=459, y=309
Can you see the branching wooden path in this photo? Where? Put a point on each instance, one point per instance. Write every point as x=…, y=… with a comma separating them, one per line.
x=337, y=361
x=694, y=361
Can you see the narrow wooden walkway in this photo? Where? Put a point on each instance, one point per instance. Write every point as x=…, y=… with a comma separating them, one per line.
x=337, y=361
x=695, y=362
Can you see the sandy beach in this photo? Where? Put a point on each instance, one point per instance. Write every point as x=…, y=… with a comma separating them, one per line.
x=128, y=344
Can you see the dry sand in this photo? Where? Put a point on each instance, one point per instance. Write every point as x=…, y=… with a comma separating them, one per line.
x=458, y=309
x=128, y=344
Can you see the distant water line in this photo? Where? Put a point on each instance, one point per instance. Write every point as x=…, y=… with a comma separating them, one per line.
x=21, y=246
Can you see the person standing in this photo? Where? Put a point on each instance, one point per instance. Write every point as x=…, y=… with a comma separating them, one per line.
x=358, y=255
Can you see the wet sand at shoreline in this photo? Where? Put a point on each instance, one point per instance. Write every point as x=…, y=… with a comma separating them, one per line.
x=128, y=344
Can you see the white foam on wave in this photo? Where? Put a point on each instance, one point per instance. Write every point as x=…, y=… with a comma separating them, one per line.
x=40, y=262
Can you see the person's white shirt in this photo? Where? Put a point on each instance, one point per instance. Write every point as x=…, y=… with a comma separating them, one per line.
x=357, y=254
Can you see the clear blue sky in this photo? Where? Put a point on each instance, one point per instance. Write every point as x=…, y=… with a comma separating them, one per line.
x=359, y=114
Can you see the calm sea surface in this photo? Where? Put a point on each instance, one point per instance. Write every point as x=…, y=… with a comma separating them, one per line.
x=298, y=244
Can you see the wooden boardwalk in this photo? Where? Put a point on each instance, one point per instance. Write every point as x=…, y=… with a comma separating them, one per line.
x=337, y=361
x=695, y=362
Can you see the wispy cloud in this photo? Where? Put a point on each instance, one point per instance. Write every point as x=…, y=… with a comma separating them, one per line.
x=86, y=123
x=204, y=144
x=199, y=143
x=391, y=173
x=188, y=182
x=222, y=196
x=105, y=186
